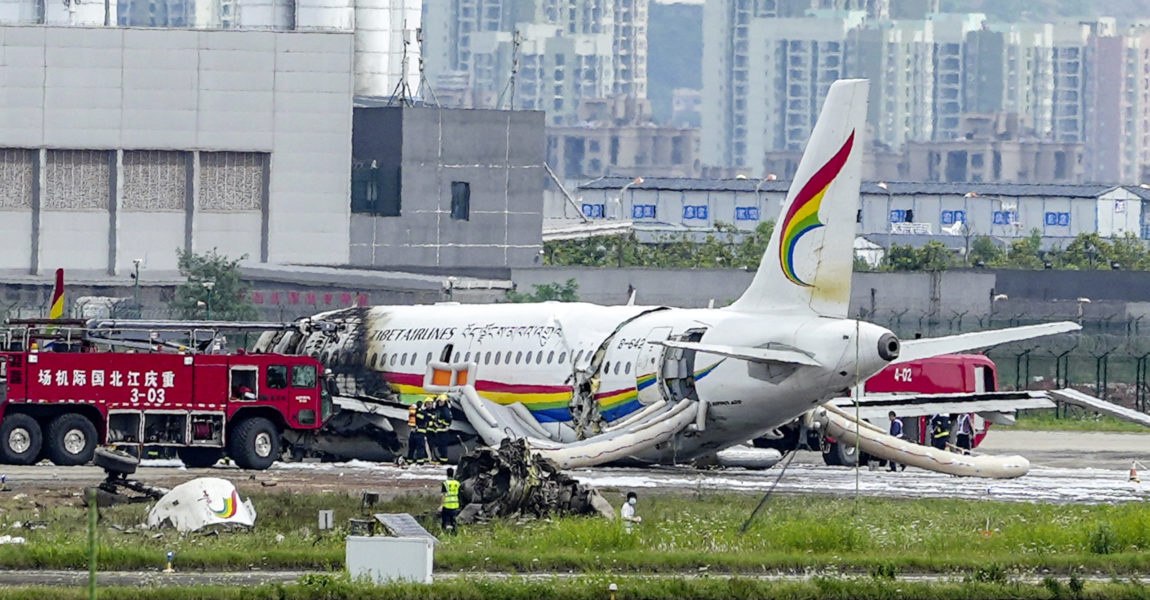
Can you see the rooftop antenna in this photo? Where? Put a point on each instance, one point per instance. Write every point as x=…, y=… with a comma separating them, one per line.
x=402, y=91
x=424, y=84
x=516, y=40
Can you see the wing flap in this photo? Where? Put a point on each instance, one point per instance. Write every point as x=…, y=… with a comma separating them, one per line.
x=760, y=355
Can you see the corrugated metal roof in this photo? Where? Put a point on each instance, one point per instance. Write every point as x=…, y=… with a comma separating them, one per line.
x=682, y=184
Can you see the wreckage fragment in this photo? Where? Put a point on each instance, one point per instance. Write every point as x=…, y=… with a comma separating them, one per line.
x=201, y=502
x=513, y=481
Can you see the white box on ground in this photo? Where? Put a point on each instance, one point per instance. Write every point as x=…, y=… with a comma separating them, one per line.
x=382, y=559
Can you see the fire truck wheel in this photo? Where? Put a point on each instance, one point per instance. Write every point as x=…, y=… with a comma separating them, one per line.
x=841, y=455
x=71, y=439
x=20, y=440
x=199, y=458
x=254, y=444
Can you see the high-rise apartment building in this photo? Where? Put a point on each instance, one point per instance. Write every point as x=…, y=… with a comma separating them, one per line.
x=898, y=58
x=559, y=51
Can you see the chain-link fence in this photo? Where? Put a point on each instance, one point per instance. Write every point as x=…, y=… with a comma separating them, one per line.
x=1109, y=357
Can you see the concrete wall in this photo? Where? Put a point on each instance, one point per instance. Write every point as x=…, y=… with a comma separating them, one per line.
x=281, y=100
x=499, y=153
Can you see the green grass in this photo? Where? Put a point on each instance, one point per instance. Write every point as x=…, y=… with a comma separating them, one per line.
x=679, y=534
x=1044, y=420
x=630, y=588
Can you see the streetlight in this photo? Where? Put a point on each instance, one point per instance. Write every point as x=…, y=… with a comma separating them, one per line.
x=759, y=186
x=889, y=226
x=136, y=278
x=208, y=285
x=620, y=238
x=619, y=200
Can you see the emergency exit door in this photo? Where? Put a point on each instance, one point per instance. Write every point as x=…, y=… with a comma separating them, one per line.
x=647, y=366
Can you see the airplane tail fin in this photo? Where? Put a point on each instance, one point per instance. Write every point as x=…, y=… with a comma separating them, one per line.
x=809, y=260
x=57, y=310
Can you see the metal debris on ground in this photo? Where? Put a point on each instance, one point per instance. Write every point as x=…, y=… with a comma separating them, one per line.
x=511, y=481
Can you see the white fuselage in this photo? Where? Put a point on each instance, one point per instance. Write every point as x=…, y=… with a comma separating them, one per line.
x=559, y=359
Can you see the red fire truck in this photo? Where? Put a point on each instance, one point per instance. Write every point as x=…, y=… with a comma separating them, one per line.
x=904, y=388
x=61, y=402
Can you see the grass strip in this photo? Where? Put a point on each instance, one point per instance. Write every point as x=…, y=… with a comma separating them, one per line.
x=1045, y=420
x=595, y=588
x=680, y=533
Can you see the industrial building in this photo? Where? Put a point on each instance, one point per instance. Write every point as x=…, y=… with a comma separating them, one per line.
x=125, y=144
x=441, y=189
x=890, y=213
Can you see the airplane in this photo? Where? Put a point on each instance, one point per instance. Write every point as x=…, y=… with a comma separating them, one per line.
x=589, y=384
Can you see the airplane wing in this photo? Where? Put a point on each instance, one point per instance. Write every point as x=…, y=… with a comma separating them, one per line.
x=762, y=355
x=876, y=406
x=953, y=344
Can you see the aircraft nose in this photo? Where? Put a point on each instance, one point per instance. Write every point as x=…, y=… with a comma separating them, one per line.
x=888, y=346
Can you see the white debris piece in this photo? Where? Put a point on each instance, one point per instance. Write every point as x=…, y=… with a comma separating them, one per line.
x=10, y=539
x=202, y=502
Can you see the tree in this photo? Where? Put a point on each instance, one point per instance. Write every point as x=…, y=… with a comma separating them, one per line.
x=213, y=288
x=935, y=256
x=1026, y=253
x=563, y=292
x=725, y=246
x=983, y=249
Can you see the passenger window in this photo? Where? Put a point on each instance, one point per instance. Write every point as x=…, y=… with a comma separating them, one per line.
x=550, y=357
x=382, y=361
x=562, y=357
x=527, y=358
x=578, y=357
x=403, y=360
x=539, y=358
x=456, y=359
x=616, y=368
x=487, y=358
x=467, y=357
x=497, y=355
x=518, y=357
x=627, y=369
x=429, y=358
x=371, y=359
x=393, y=359
x=277, y=377
x=607, y=368
x=303, y=376
x=446, y=356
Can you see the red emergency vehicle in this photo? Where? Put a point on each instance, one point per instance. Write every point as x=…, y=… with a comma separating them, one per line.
x=61, y=404
x=946, y=374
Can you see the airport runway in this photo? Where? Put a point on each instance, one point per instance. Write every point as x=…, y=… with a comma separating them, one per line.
x=1066, y=467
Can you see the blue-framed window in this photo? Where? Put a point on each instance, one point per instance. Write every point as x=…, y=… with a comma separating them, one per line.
x=746, y=213
x=695, y=211
x=643, y=211
x=898, y=215
x=593, y=211
x=1005, y=217
x=950, y=217
x=1057, y=219
x=1146, y=232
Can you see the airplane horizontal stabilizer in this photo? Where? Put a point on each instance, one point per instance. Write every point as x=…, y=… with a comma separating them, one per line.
x=963, y=342
x=762, y=355
x=1077, y=398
